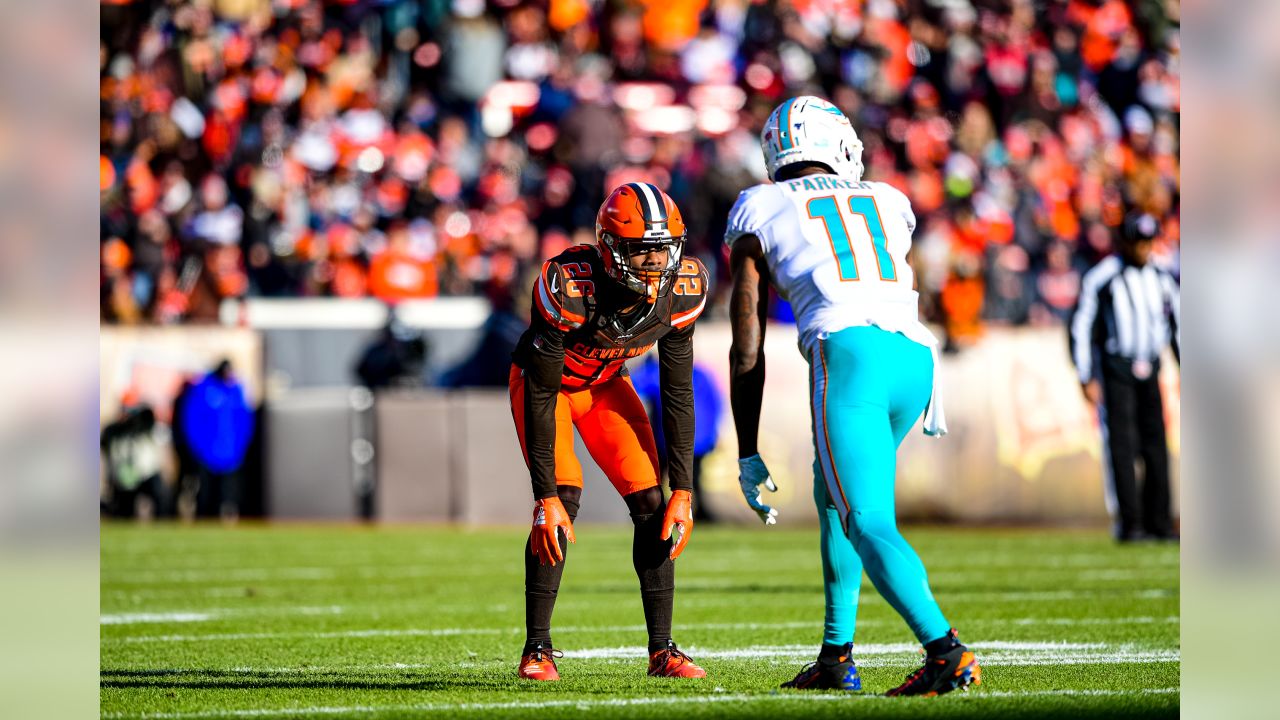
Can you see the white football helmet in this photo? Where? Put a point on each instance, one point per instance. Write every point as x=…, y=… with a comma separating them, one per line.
x=810, y=129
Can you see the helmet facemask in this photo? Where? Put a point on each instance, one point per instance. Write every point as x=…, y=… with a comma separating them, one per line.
x=651, y=283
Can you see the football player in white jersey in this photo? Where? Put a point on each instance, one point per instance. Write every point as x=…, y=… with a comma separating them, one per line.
x=835, y=247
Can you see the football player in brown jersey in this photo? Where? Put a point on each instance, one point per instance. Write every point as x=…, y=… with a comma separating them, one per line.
x=596, y=306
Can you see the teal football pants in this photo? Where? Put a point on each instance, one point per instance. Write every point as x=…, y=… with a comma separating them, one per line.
x=868, y=387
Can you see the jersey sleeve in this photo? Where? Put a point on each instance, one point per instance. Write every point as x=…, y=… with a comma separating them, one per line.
x=559, y=291
x=692, y=286
x=756, y=208
x=559, y=300
x=675, y=372
x=542, y=359
x=675, y=360
x=901, y=205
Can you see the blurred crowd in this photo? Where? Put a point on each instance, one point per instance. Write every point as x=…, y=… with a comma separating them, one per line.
x=414, y=148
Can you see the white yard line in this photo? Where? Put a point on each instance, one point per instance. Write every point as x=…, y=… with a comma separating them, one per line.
x=994, y=653
x=986, y=597
x=193, y=616
x=773, y=656
x=165, y=617
x=589, y=704
x=905, y=654
x=444, y=632
x=859, y=649
x=1136, y=620
x=403, y=632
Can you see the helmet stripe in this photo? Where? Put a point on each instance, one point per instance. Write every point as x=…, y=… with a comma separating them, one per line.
x=785, y=141
x=659, y=204
x=645, y=211
x=656, y=211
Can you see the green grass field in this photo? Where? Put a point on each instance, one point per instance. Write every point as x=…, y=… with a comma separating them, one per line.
x=365, y=622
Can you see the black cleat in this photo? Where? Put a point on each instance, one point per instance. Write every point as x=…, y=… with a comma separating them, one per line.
x=955, y=668
x=836, y=674
x=1132, y=536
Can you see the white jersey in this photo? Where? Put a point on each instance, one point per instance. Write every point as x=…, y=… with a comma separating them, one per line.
x=837, y=251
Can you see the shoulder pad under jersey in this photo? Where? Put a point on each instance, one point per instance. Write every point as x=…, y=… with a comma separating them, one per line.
x=560, y=292
x=689, y=292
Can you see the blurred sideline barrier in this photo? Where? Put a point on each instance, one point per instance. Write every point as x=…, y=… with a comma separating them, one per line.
x=317, y=454
x=316, y=342
x=458, y=313
x=281, y=343
x=1023, y=446
x=438, y=456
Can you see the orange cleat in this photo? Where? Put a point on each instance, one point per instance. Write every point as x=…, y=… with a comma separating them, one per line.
x=956, y=669
x=539, y=664
x=670, y=662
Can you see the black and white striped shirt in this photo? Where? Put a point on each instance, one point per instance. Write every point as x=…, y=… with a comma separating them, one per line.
x=1126, y=311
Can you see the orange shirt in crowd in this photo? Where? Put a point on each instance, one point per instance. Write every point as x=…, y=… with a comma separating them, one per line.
x=395, y=275
x=106, y=173
x=670, y=24
x=564, y=14
x=1103, y=27
x=962, y=308
x=349, y=279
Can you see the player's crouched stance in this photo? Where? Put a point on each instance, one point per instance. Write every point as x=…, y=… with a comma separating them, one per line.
x=596, y=306
x=836, y=248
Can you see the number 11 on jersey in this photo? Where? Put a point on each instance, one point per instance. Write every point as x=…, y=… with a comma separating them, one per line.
x=828, y=211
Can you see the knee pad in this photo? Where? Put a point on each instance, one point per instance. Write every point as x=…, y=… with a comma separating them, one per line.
x=649, y=552
x=651, y=555
x=643, y=504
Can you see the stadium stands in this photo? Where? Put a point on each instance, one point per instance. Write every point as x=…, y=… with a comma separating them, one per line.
x=408, y=149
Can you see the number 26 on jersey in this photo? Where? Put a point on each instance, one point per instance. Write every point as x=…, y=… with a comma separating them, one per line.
x=862, y=213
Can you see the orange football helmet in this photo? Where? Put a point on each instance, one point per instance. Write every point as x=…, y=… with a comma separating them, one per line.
x=638, y=218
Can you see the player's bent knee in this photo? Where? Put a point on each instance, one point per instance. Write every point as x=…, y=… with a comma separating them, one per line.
x=644, y=502
x=871, y=524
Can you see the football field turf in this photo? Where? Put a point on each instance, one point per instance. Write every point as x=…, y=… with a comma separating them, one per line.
x=267, y=621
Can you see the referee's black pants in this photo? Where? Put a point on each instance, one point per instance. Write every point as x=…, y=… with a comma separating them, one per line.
x=1132, y=419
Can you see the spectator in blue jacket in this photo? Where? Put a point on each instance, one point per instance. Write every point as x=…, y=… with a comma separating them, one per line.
x=217, y=425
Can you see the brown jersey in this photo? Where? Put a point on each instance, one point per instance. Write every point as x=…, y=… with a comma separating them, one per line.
x=579, y=337
x=573, y=295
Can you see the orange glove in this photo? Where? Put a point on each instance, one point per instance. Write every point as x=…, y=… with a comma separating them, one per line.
x=548, y=517
x=680, y=518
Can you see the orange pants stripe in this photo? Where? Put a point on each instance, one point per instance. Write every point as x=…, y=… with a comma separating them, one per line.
x=613, y=425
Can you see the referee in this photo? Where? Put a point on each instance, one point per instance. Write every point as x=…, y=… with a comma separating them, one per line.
x=1127, y=314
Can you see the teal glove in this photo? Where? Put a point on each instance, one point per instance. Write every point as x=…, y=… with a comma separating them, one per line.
x=751, y=475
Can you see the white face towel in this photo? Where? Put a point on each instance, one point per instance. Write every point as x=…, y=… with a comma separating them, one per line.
x=935, y=420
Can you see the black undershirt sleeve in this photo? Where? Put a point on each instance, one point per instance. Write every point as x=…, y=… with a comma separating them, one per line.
x=543, y=366
x=675, y=363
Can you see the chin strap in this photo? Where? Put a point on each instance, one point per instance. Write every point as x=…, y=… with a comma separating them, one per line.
x=652, y=286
